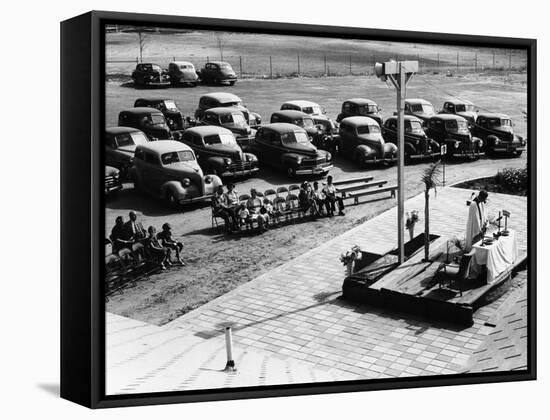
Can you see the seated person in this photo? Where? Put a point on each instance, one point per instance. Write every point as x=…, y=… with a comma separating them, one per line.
x=167, y=241
x=244, y=216
x=330, y=192
x=231, y=196
x=118, y=236
x=254, y=206
x=221, y=209
x=269, y=207
x=306, y=200
x=134, y=232
x=319, y=196
x=156, y=250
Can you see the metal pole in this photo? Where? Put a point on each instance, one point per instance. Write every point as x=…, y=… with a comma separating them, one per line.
x=325, y=58
x=298, y=65
x=270, y=68
x=230, y=365
x=401, y=87
x=457, y=62
x=476, y=64
x=494, y=62
x=241, y=66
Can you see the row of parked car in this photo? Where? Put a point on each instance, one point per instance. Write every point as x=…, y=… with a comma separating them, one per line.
x=182, y=73
x=224, y=139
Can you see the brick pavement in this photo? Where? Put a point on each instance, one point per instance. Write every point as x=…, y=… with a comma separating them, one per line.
x=290, y=324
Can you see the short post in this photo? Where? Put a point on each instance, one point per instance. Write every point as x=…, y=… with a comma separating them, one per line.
x=475, y=65
x=230, y=365
x=457, y=62
x=298, y=65
x=438, y=60
x=174, y=58
x=241, y=66
x=494, y=61
x=325, y=59
x=443, y=153
x=510, y=61
x=270, y=68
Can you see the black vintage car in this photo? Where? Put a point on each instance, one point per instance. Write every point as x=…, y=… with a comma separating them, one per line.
x=420, y=108
x=225, y=100
x=360, y=107
x=361, y=140
x=218, y=72
x=174, y=117
x=287, y=146
x=182, y=73
x=452, y=131
x=460, y=107
x=232, y=119
x=149, y=120
x=316, y=132
x=150, y=75
x=219, y=153
x=417, y=144
x=112, y=180
x=316, y=112
x=120, y=146
x=497, y=132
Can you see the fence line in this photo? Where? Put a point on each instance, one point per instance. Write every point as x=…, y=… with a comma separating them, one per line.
x=254, y=66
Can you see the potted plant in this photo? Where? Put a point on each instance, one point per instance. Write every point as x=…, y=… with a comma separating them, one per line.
x=348, y=259
x=412, y=218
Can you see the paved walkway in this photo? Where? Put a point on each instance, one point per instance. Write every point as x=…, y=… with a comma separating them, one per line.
x=290, y=326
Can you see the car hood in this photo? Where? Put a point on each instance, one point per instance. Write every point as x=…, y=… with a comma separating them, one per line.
x=305, y=149
x=469, y=115
x=189, y=168
x=159, y=133
x=129, y=150
x=240, y=129
x=230, y=150
x=110, y=171
x=423, y=115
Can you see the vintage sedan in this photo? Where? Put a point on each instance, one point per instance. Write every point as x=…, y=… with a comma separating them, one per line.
x=287, y=146
x=452, y=131
x=361, y=140
x=417, y=144
x=149, y=120
x=218, y=72
x=182, y=73
x=420, y=108
x=315, y=132
x=113, y=183
x=225, y=100
x=219, y=153
x=461, y=107
x=150, y=75
x=169, y=170
x=120, y=145
x=318, y=114
x=173, y=116
x=360, y=107
x=232, y=119
x=497, y=132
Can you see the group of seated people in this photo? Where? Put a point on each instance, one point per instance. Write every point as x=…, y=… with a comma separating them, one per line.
x=132, y=236
x=311, y=199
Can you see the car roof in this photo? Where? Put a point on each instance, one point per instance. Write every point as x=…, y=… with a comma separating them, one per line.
x=208, y=130
x=148, y=64
x=120, y=130
x=301, y=103
x=164, y=146
x=457, y=101
x=355, y=121
x=182, y=63
x=291, y=113
x=224, y=110
x=417, y=101
x=282, y=127
x=494, y=115
x=154, y=100
x=222, y=96
x=361, y=101
x=141, y=110
x=405, y=117
x=448, y=117
x=217, y=62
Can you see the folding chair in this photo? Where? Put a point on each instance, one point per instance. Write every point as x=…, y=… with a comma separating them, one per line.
x=282, y=190
x=243, y=197
x=270, y=192
x=293, y=187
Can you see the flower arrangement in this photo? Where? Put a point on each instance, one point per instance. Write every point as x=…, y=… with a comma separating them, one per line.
x=351, y=255
x=412, y=218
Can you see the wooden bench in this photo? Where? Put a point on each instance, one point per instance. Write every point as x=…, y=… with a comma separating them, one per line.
x=360, y=186
x=361, y=193
x=353, y=180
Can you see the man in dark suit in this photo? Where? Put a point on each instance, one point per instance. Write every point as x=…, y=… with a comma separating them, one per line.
x=134, y=231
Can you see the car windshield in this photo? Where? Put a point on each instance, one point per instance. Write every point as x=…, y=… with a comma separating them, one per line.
x=425, y=108
x=234, y=103
x=312, y=110
x=294, y=137
x=170, y=105
x=460, y=127
x=175, y=157
x=130, y=139
x=304, y=122
x=366, y=129
x=464, y=108
x=154, y=119
x=368, y=109
x=187, y=67
x=232, y=118
x=414, y=127
x=497, y=122
x=151, y=67
x=220, y=139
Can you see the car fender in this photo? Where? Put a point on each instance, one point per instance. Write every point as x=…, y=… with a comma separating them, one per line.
x=409, y=149
x=250, y=157
x=211, y=187
x=363, y=150
x=390, y=148
x=490, y=139
x=290, y=159
x=173, y=186
x=215, y=162
x=435, y=146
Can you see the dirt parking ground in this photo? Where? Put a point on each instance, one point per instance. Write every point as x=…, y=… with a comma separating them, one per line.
x=217, y=263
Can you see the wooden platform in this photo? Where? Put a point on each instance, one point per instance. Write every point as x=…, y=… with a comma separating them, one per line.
x=412, y=287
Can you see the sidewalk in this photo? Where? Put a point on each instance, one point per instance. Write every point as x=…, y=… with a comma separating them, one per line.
x=289, y=325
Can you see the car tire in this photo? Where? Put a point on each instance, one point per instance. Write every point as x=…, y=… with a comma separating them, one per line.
x=232, y=83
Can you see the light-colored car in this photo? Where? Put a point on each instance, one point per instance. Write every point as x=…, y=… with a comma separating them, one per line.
x=226, y=100
x=169, y=170
x=420, y=108
x=232, y=119
x=182, y=73
x=120, y=145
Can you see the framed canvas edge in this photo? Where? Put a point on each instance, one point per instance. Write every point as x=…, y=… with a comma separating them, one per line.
x=95, y=334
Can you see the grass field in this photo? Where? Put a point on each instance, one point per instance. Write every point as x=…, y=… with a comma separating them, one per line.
x=250, y=54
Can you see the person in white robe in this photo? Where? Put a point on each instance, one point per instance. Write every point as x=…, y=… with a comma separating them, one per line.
x=477, y=220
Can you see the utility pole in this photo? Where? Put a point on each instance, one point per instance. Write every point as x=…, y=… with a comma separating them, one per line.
x=399, y=73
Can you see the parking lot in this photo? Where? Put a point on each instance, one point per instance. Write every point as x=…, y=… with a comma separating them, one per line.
x=217, y=263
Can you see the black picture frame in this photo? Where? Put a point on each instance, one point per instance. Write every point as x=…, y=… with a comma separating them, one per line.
x=82, y=206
